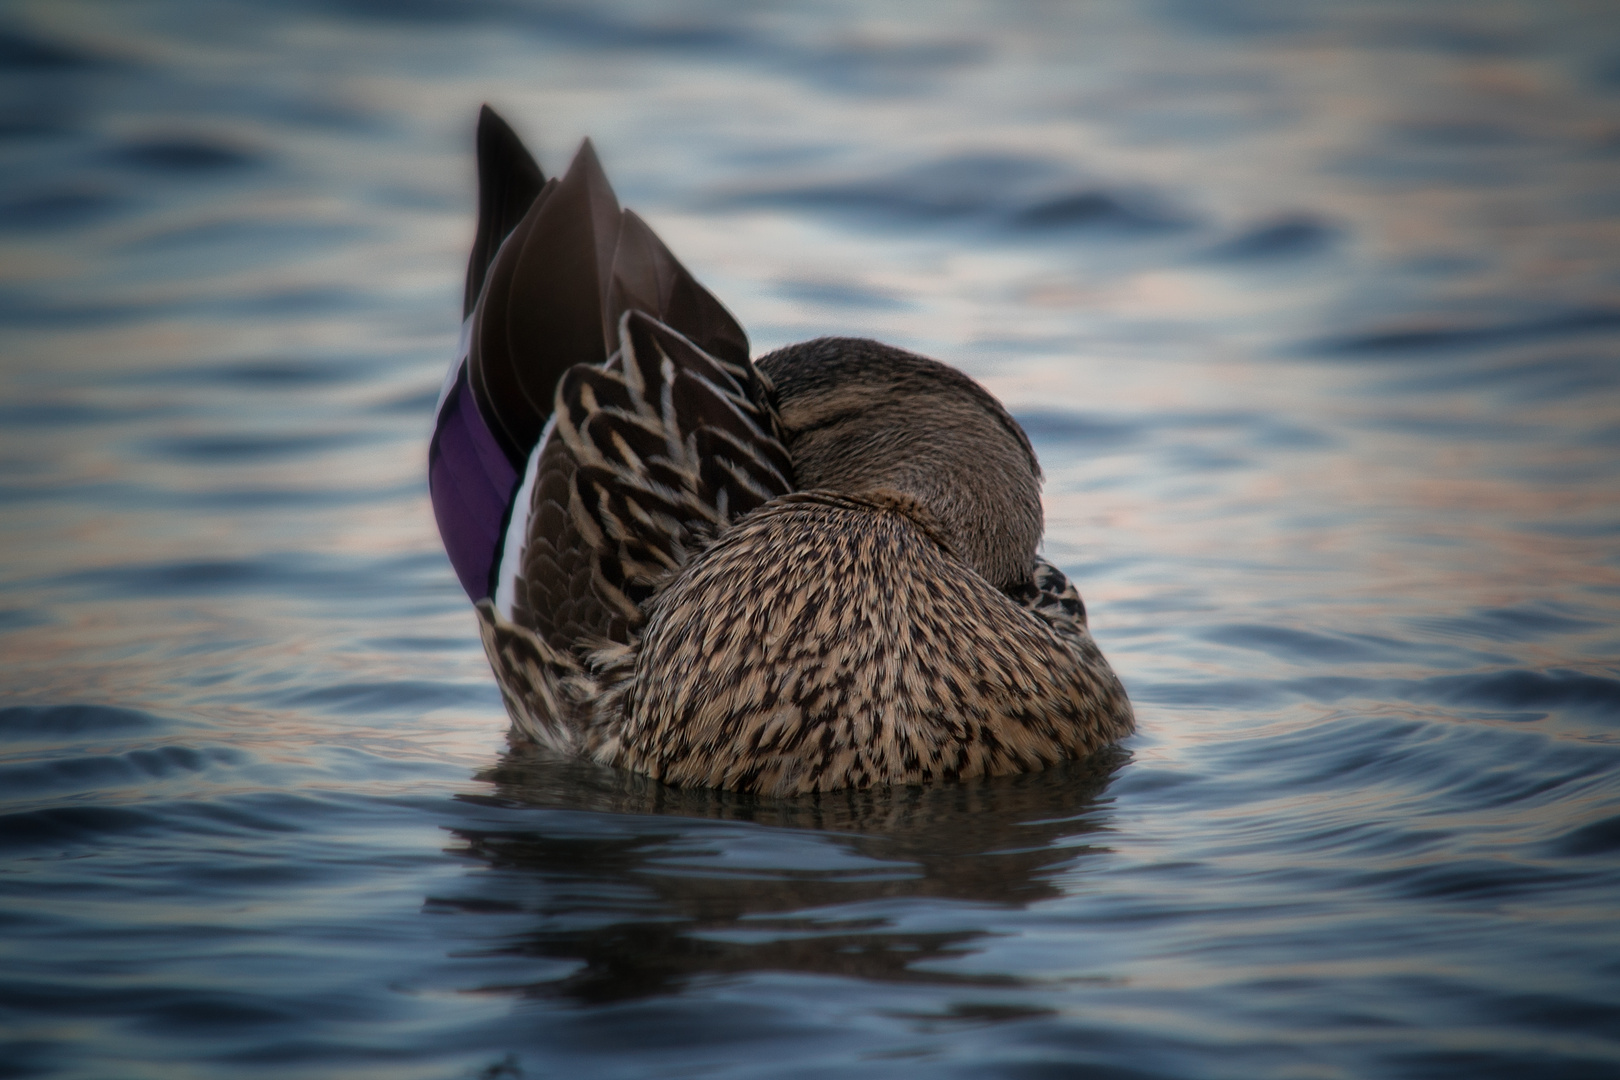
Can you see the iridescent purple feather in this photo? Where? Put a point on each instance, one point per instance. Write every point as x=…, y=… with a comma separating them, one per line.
x=472, y=484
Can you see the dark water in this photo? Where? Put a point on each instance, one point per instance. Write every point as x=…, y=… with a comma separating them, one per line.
x=1312, y=310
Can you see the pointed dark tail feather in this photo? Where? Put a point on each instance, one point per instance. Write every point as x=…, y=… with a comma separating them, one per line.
x=508, y=181
x=556, y=291
x=646, y=277
x=541, y=311
x=554, y=266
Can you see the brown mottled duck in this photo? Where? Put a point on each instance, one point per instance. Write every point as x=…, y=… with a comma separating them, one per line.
x=809, y=572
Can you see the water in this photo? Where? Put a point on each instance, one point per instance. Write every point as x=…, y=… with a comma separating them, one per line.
x=1312, y=313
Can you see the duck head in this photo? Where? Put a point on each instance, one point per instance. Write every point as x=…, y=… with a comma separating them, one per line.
x=865, y=419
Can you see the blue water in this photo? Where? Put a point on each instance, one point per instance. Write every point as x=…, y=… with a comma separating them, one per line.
x=1312, y=311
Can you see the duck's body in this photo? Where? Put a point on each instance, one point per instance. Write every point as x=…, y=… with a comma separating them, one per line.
x=814, y=573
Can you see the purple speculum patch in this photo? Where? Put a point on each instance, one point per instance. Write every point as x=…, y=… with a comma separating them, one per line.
x=472, y=485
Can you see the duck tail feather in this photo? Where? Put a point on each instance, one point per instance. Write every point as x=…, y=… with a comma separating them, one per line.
x=508, y=181
x=647, y=277
x=541, y=308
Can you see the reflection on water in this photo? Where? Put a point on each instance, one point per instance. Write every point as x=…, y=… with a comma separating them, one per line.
x=803, y=894
x=1309, y=309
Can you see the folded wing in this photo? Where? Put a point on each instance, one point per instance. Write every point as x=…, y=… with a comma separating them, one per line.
x=669, y=445
x=666, y=429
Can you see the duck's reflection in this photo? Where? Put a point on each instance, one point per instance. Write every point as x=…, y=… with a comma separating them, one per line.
x=645, y=888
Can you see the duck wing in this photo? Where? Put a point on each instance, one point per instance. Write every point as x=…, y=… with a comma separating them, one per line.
x=670, y=445
x=471, y=473
x=556, y=267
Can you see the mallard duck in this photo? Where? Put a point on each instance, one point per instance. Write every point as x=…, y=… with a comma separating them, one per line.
x=813, y=571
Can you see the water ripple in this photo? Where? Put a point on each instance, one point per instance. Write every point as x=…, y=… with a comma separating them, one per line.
x=1307, y=309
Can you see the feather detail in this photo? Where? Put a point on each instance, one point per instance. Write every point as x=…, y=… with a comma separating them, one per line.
x=646, y=277
x=555, y=293
x=555, y=264
x=508, y=181
x=828, y=641
x=669, y=447
x=615, y=483
x=541, y=309
x=471, y=483
x=541, y=686
x=1051, y=596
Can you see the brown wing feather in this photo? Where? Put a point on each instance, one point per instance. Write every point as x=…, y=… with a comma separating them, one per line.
x=554, y=594
x=493, y=369
x=556, y=289
x=667, y=447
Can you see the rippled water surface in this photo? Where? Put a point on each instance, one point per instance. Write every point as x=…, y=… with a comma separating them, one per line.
x=1311, y=309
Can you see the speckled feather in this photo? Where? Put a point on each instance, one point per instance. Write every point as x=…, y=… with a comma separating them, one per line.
x=878, y=657
x=827, y=642
x=825, y=639
x=813, y=573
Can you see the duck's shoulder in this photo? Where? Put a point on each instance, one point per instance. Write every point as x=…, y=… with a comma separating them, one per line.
x=831, y=641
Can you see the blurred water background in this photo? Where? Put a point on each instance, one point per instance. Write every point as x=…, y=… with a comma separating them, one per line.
x=1311, y=309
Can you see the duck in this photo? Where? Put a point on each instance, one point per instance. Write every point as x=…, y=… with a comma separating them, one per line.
x=813, y=571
